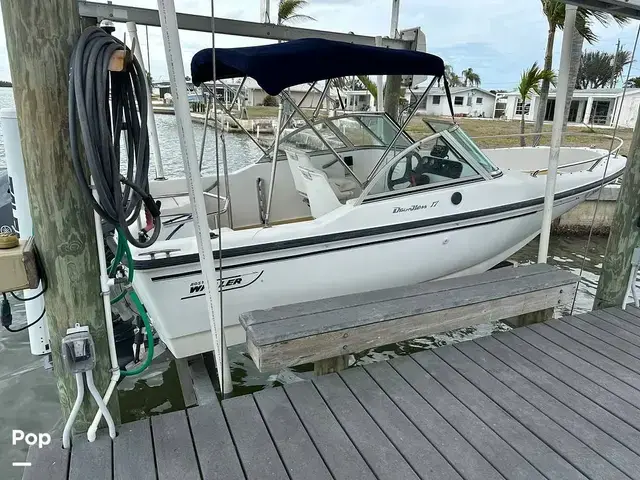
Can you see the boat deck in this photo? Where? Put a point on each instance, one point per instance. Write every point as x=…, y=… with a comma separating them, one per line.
x=556, y=400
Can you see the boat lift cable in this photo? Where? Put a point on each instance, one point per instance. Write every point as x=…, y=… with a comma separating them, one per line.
x=102, y=105
x=604, y=173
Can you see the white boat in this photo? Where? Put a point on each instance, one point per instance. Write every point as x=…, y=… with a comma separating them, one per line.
x=357, y=205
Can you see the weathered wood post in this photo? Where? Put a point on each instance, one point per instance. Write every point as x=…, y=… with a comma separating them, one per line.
x=625, y=232
x=40, y=38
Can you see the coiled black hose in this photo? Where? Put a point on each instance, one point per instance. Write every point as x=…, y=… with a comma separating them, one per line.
x=104, y=104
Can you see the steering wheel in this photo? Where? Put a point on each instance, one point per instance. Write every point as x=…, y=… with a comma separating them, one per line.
x=409, y=176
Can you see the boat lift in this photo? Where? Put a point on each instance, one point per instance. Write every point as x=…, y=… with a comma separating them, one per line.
x=171, y=22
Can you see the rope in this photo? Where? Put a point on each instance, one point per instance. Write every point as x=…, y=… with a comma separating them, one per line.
x=103, y=104
x=604, y=174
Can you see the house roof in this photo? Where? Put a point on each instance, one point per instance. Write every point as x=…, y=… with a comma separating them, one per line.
x=454, y=90
x=588, y=92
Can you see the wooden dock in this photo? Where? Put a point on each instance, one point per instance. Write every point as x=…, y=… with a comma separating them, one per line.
x=559, y=400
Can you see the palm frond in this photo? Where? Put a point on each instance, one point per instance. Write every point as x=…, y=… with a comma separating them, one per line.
x=369, y=85
x=288, y=11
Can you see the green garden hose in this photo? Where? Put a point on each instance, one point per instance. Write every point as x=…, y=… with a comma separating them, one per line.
x=121, y=251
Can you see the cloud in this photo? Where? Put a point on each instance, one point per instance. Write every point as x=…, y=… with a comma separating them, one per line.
x=497, y=38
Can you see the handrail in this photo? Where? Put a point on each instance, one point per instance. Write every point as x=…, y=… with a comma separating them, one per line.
x=596, y=159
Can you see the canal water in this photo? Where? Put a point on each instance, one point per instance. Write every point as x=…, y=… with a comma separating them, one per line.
x=28, y=397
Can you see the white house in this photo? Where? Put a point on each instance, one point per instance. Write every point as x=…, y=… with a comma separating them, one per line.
x=467, y=102
x=592, y=106
x=255, y=95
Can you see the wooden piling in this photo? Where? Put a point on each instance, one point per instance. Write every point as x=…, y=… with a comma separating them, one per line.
x=624, y=235
x=40, y=38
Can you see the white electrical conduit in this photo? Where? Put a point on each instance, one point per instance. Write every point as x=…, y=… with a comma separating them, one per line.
x=106, y=303
x=101, y=405
x=66, y=434
x=151, y=121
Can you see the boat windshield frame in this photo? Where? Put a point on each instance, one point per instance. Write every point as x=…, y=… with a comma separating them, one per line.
x=482, y=173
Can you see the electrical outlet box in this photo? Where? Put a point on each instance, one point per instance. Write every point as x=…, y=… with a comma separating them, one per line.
x=18, y=267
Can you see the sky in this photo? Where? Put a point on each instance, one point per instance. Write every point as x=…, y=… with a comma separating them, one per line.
x=497, y=38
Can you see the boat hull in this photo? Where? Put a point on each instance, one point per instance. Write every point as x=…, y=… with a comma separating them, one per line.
x=174, y=295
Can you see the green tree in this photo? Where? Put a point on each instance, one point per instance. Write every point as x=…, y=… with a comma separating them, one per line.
x=471, y=78
x=601, y=69
x=452, y=77
x=289, y=11
x=633, y=82
x=530, y=83
x=554, y=11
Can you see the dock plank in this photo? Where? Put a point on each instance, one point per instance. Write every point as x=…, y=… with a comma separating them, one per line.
x=497, y=451
x=414, y=446
x=594, y=392
x=504, y=294
x=601, y=442
x=258, y=454
x=538, y=453
x=584, y=368
x=49, y=462
x=352, y=300
x=335, y=446
x=175, y=456
x=630, y=315
x=216, y=452
x=592, y=357
x=585, y=407
x=608, y=350
x=91, y=459
x=602, y=335
x=133, y=455
x=374, y=446
x=298, y=452
x=469, y=463
x=570, y=447
x=612, y=325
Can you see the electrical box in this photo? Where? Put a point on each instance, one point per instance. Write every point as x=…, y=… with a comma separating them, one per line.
x=18, y=267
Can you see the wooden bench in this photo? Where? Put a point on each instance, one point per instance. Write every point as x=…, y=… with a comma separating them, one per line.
x=326, y=331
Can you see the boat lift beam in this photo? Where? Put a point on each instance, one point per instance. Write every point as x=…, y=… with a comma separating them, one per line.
x=625, y=8
x=227, y=26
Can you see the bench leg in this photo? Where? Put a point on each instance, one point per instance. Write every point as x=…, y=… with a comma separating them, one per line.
x=331, y=365
x=530, y=318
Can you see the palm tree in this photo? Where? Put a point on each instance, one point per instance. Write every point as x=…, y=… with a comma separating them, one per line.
x=471, y=78
x=633, y=82
x=554, y=11
x=452, y=77
x=530, y=82
x=582, y=32
x=288, y=11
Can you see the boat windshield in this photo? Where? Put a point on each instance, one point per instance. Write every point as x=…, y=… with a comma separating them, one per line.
x=464, y=140
x=306, y=139
x=431, y=161
x=347, y=131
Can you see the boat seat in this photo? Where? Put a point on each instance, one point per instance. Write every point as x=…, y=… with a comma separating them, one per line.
x=344, y=188
x=322, y=198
